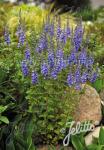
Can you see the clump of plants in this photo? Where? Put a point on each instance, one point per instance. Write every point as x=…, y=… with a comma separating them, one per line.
x=48, y=68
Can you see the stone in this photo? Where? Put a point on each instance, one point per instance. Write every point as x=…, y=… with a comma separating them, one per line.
x=97, y=3
x=90, y=136
x=89, y=106
x=45, y=147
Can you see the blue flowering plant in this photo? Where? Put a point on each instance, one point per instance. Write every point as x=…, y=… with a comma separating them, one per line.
x=51, y=55
x=54, y=63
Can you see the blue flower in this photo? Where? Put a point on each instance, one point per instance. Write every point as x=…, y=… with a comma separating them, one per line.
x=78, y=36
x=84, y=77
x=51, y=30
x=72, y=58
x=77, y=77
x=24, y=66
x=21, y=36
x=54, y=74
x=70, y=80
x=68, y=32
x=63, y=37
x=51, y=59
x=61, y=64
x=42, y=45
x=44, y=69
x=27, y=54
x=58, y=32
x=82, y=57
x=59, y=53
x=78, y=87
x=46, y=27
x=93, y=77
x=7, y=37
x=34, y=77
x=90, y=61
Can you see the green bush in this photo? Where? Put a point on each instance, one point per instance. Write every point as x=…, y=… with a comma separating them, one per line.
x=96, y=44
x=87, y=14
x=35, y=114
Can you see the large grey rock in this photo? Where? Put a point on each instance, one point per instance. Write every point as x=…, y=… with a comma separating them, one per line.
x=89, y=106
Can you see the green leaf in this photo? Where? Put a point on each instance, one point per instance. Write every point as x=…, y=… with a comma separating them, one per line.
x=50, y=127
x=77, y=143
x=94, y=147
x=4, y=119
x=2, y=108
x=19, y=139
x=99, y=147
x=19, y=147
x=3, y=75
x=10, y=144
x=28, y=131
x=98, y=84
x=17, y=119
x=29, y=126
x=82, y=139
x=101, y=136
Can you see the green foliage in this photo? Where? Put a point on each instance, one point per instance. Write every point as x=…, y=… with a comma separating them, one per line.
x=51, y=109
x=13, y=105
x=18, y=134
x=79, y=143
x=31, y=15
x=36, y=114
x=96, y=44
x=4, y=11
x=94, y=24
x=87, y=14
x=99, y=83
x=3, y=118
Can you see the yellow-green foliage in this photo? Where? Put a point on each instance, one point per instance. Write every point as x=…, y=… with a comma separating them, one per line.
x=4, y=10
x=30, y=15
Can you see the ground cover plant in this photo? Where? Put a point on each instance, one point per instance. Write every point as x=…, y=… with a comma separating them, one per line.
x=40, y=73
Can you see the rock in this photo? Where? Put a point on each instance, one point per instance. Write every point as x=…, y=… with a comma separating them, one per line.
x=45, y=147
x=89, y=106
x=97, y=3
x=89, y=137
